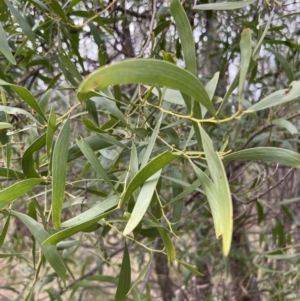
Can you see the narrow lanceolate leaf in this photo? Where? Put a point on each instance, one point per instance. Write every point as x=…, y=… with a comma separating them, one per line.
x=5, y=125
x=23, y=24
x=94, y=161
x=286, y=124
x=222, y=191
x=145, y=173
x=185, y=33
x=50, y=131
x=245, y=46
x=14, y=191
x=124, y=278
x=40, y=234
x=59, y=169
x=26, y=96
x=267, y=154
x=142, y=203
x=159, y=73
x=224, y=5
x=83, y=220
x=277, y=98
x=4, y=47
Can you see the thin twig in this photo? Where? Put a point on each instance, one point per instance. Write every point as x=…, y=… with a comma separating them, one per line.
x=151, y=27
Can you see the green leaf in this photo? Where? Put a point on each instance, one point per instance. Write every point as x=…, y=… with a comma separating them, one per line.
x=28, y=165
x=27, y=97
x=224, y=5
x=4, y=47
x=245, y=46
x=267, y=154
x=286, y=124
x=284, y=63
x=57, y=9
x=50, y=131
x=59, y=169
x=69, y=65
x=191, y=268
x=124, y=278
x=23, y=24
x=40, y=234
x=4, y=12
x=142, y=274
x=84, y=220
x=16, y=190
x=159, y=73
x=185, y=34
x=94, y=161
x=4, y=231
x=142, y=203
x=169, y=246
x=178, y=205
x=145, y=173
x=277, y=98
x=5, y=125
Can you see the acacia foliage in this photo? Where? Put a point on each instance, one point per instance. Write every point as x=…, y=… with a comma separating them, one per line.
x=141, y=158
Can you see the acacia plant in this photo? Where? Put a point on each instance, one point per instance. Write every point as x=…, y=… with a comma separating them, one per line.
x=134, y=161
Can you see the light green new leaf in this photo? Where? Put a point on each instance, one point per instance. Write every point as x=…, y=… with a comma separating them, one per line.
x=267, y=154
x=5, y=125
x=23, y=24
x=185, y=34
x=286, y=124
x=142, y=274
x=142, y=203
x=26, y=96
x=94, y=161
x=168, y=244
x=222, y=192
x=4, y=47
x=124, y=278
x=245, y=46
x=16, y=190
x=159, y=73
x=84, y=220
x=210, y=192
x=40, y=234
x=59, y=169
x=145, y=173
x=277, y=98
x=224, y=5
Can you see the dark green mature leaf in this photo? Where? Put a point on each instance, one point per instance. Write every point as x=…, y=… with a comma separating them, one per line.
x=94, y=161
x=10, y=194
x=23, y=24
x=26, y=96
x=185, y=34
x=40, y=234
x=124, y=278
x=159, y=73
x=28, y=165
x=59, y=169
x=4, y=47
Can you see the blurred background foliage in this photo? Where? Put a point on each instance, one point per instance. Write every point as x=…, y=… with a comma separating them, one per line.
x=51, y=46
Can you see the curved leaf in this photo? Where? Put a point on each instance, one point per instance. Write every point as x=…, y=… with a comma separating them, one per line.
x=224, y=5
x=159, y=73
